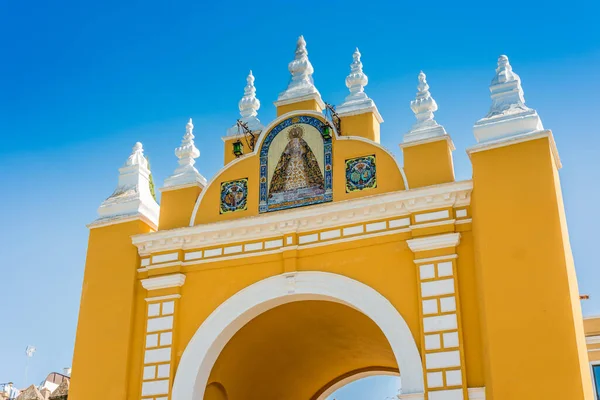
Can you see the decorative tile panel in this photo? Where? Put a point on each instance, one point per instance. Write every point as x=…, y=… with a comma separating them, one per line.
x=361, y=173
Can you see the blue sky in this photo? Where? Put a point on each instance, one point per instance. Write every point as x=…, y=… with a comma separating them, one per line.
x=81, y=82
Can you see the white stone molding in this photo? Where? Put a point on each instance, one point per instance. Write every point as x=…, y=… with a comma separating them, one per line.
x=207, y=343
x=306, y=219
x=163, y=282
x=424, y=106
x=508, y=115
x=524, y=137
x=132, y=198
x=161, y=298
x=301, y=86
x=592, y=339
x=476, y=393
x=411, y=396
x=357, y=102
x=186, y=174
x=434, y=242
x=248, y=106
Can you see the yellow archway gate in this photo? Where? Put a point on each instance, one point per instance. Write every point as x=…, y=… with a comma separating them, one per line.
x=312, y=243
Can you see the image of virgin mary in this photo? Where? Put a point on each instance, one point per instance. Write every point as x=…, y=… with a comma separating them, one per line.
x=297, y=175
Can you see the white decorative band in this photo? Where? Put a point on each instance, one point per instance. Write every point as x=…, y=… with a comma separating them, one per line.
x=435, y=259
x=593, y=339
x=163, y=282
x=434, y=242
x=167, y=297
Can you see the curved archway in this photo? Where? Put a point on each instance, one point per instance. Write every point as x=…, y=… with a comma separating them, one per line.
x=211, y=337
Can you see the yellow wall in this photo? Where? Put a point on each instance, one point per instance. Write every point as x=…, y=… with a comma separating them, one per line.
x=428, y=163
x=306, y=105
x=526, y=282
x=103, y=346
x=364, y=125
x=177, y=206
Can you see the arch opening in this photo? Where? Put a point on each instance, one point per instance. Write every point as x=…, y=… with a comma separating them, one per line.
x=210, y=340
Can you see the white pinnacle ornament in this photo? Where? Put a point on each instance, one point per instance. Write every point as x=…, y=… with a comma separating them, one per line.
x=301, y=85
x=508, y=115
x=248, y=106
x=424, y=106
x=357, y=102
x=132, y=197
x=186, y=173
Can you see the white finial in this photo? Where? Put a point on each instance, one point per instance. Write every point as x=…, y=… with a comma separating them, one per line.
x=357, y=101
x=301, y=84
x=186, y=173
x=132, y=197
x=249, y=106
x=137, y=156
x=357, y=80
x=508, y=114
x=424, y=106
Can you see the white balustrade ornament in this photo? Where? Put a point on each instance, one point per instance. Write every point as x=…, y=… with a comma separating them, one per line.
x=508, y=115
x=132, y=197
x=186, y=173
x=301, y=86
x=248, y=106
x=424, y=106
x=357, y=102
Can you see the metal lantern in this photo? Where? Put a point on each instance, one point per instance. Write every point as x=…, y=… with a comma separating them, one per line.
x=238, y=148
x=327, y=131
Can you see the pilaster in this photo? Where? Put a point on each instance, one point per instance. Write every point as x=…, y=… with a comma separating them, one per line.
x=159, y=347
x=442, y=348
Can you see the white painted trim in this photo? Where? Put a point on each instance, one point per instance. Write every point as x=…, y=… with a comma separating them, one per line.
x=524, y=137
x=592, y=339
x=477, y=393
x=411, y=396
x=166, y=257
x=435, y=259
x=207, y=343
x=430, y=216
x=464, y=221
x=353, y=378
x=119, y=219
x=433, y=224
x=184, y=186
x=162, y=282
x=404, y=145
x=307, y=219
x=163, y=265
x=434, y=242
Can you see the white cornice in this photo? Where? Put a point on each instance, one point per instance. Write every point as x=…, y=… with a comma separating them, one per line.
x=434, y=242
x=510, y=140
x=119, y=219
x=429, y=140
x=163, y=282
x=311, y=96
x=185, y=186
x=306, y=219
